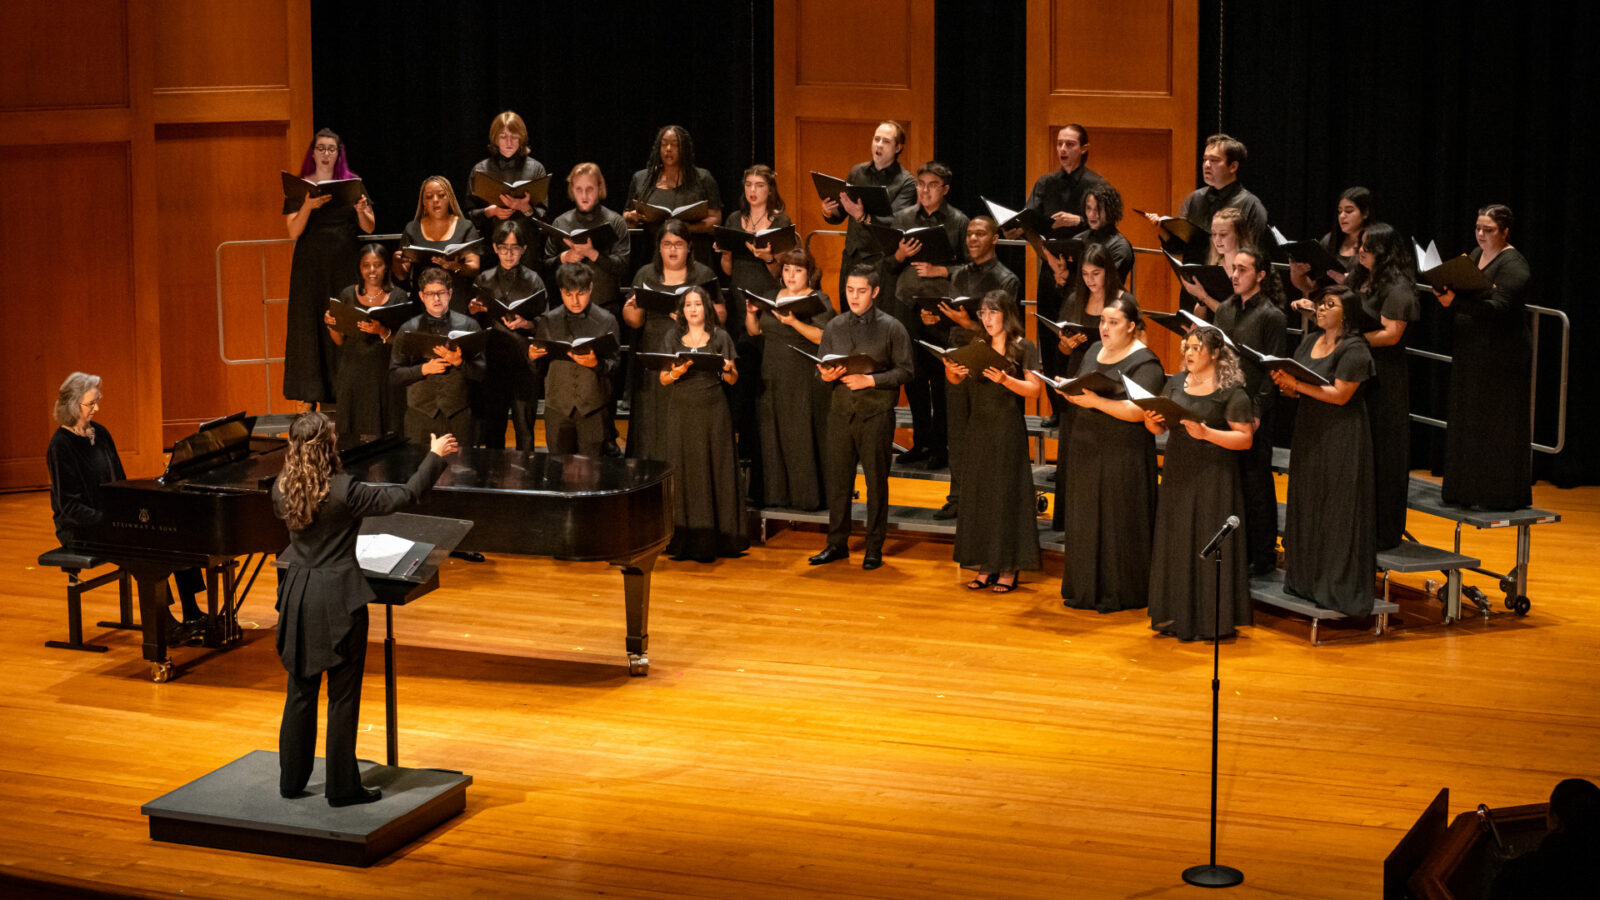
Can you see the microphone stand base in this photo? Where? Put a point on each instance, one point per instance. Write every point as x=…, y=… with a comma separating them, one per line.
x=1213, y=876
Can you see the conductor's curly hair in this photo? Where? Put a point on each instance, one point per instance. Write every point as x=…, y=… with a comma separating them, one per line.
x=308, y=467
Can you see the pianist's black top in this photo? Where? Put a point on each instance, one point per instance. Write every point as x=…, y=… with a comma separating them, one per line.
x=323, y=583
x=78, y=466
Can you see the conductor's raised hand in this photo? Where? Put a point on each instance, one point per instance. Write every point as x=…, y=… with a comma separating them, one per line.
x=442, y=444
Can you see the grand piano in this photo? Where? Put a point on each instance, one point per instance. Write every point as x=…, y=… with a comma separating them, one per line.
x=211, y=507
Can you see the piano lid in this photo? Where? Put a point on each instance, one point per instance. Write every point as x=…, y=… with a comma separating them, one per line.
x=218, y=441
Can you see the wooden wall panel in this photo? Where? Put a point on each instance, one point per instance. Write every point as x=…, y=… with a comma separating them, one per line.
x=839, y=68
x=1126, y=70
x=234, y=160
x=38, y=72
x=206, y=45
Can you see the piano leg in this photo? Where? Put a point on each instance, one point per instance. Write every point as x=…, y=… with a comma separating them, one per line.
x=153, y=615
x=636, y=597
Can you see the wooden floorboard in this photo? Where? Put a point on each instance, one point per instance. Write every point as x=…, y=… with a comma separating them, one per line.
x=818, y=731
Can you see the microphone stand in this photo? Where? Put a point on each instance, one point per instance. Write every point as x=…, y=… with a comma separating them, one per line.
x=1211, y=874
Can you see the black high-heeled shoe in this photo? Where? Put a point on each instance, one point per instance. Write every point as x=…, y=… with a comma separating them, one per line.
x=1001, y=587
x=982, y=581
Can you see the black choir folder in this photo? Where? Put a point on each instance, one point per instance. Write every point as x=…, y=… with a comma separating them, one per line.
x=348, y=316
x=931, y=304
x=733, y=240
x=488, y=189
x=1459, y=274
x=665, y=301
x=975, y=355
x=1312, y=253
x=423, y=254
x=603, y=237
x=1213, y=280
x=854, y=363
x=935, y=247
x=1093, y=380
x=698, y=360
x=419, y=343
x=1036, y=230
x=1284, y=364
x=1182, y=322
x=345, y=191
x=874, y=198
x=653, y=214
x=802, y=307
x=1065, y=329
x=528, y=307
x=602, y=346
x=1167, y=408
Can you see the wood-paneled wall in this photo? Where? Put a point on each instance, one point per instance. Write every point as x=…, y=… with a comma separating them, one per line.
x=129, y=152
x=838, y=69
x=1126, y=70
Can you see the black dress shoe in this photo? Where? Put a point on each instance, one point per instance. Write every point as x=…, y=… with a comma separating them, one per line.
x=367, y=795
x=872, y=561
x=292, y=795
x=830, y=554
x=947, y=511
x=914, y=455
x=938, y=461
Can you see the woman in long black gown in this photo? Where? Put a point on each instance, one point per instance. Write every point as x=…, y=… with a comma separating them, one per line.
x=1199, y=491
x=1487, y=460
x=997, y=532
x=1330, y=533
x=670, y=179
x=1099, y=279
x=365, y=402
x=1389, y=302
x=324, y=262
x=793, y=407
x=439, y=223
x=708, y=515
x=672, y=268
x=1111, y=473
x=753, y=269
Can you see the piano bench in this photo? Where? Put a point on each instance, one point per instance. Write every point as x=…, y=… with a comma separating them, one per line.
x=72, y=564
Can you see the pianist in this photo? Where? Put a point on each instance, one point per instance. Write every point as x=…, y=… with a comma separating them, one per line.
x=82, y=457
x=323, y=597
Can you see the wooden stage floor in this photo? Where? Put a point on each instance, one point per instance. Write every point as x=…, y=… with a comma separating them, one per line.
x=816, y=732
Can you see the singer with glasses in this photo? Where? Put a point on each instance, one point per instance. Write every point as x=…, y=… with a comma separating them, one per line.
x=1199, y=491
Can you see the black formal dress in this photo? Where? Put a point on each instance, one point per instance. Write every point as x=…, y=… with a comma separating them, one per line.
x=1072, y=310
x=510, y=387
x=860, y=246
x=1487, y=461
x=744, y=396
x=701, y=187
x=517, y=168
x=697, y=439
x=1199, y=491
x=793, y=415
x=645, y=417
x=322, y=625
x=460, y=282
x=366, y=403
x=861, y=423
x=1111, y=495
x=324, y=262
x=576, y=398
x=1389, y=409
x=1257, y=324
x=968, y=280
x=1329, y=535
x=78, y=466
x=998, y=530
x=439, y=403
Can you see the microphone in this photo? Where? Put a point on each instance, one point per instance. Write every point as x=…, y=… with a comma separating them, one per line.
x=1222, y=534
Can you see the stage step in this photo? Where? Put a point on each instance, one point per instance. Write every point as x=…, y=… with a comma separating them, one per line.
x=1269, y=589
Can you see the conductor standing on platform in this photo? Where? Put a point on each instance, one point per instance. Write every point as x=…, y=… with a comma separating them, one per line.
x=323, y=597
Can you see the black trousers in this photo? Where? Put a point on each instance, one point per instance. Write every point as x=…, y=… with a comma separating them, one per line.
x=1260, y=501
x=418, y=425
x=297, y=738
x=568, y=432
x=925, y=394
x=496, y=399
x=850, y=440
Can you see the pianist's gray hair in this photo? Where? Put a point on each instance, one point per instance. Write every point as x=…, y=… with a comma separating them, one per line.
x=70, y=398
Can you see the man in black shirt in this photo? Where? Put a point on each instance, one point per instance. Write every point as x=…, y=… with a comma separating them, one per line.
x=1060, y=195
x=1219, y=169
x=437, y=399
x=915, y=279
x=861, y=413
x=885, y=171
x=951, y=327
x=1249, y=319
x=578, y=388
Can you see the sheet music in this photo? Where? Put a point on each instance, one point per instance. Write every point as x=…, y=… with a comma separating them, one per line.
x=378, y=553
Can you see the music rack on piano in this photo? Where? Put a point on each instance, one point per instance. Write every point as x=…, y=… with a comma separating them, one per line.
x=212, y=507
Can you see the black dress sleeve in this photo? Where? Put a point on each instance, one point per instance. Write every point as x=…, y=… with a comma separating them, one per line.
x=1354, y=362
x=382, y=499
x=1236, y=406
